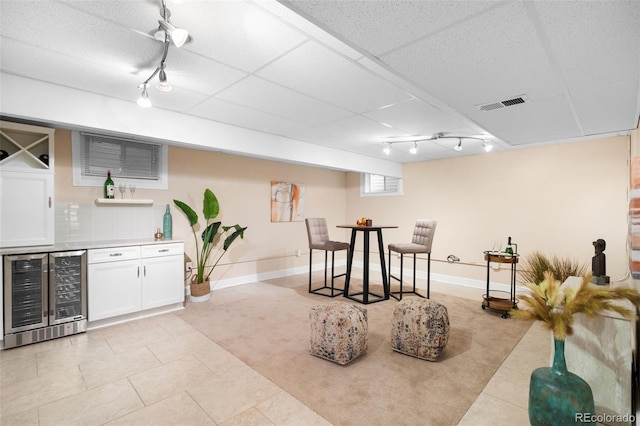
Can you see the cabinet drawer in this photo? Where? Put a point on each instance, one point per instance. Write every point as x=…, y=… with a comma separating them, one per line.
x=114, y=254
x=156, y=250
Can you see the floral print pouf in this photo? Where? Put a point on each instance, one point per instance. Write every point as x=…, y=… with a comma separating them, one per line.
x=420, y=328
x=338, y=331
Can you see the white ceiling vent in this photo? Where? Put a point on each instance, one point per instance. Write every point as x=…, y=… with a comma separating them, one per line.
x=517, y=100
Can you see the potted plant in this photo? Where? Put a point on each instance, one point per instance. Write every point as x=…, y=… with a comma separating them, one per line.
x=209, y=253
x=555, y=394
x=537, y=263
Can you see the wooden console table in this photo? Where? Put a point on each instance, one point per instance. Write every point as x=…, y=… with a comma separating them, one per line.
x=492, y=301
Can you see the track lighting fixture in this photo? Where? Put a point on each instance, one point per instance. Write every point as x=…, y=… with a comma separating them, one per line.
x=167, y=33
x=487, y=146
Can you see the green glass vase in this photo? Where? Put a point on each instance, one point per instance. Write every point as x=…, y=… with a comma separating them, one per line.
x=559, y=397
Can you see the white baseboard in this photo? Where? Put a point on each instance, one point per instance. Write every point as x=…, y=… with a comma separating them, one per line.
x=448, y=279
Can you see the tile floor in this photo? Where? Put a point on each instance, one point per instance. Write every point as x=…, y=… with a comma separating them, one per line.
x=160, y=370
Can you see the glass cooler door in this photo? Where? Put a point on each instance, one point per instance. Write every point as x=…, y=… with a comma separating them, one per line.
x=25, y=292
x=68, y=286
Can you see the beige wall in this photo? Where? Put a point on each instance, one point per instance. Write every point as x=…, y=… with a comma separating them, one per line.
x=557, y=199
x=243, y=187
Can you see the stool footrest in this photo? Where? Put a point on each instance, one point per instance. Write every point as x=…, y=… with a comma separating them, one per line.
x=333, y=291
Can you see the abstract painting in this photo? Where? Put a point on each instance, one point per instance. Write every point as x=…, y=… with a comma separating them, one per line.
x=287, y=202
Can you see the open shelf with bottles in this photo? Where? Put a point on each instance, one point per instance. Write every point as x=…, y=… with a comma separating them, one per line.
x=25, y=147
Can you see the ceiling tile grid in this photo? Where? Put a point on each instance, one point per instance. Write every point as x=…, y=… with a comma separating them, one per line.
x=315, y=70
x=351, y=74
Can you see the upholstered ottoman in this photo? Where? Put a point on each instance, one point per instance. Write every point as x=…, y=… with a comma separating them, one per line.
x=338, y=331
x=420, y=328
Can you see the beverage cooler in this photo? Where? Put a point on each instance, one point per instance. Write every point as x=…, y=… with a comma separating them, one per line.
x=45, y=296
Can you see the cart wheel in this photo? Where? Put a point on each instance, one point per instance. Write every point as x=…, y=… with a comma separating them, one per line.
x=483, y=307
x=505, y=315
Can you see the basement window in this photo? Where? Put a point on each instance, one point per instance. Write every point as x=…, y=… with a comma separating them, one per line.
x=378, y=185
x=141, y=163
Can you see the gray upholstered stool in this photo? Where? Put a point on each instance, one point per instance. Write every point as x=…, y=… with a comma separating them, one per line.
x=420, y=328
x=338, y=331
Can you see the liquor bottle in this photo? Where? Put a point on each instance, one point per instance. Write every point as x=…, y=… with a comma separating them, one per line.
x=509, y=249
x=109, y=187
x=167, y=224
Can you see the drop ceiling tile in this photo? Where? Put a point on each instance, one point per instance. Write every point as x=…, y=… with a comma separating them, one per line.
x=418, y=118
x=73, y=33
x=360, y=130
x=456, y=67
x=225, y=112
x=41, y=64
x=539, y=121
x=320, y=72
x=608, y=109
x=186, y=70
x=381, y=26
x=46, y=66
x=600, y=47
x=236, y=33
x=265, y=96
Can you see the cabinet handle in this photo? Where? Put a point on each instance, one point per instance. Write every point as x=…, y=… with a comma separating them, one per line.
x=145, y=270
x=49, y=202
x=138, y=272
x=163, y=250
x=115, y=254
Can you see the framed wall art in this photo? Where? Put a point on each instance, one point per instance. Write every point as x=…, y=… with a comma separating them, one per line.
x=287, y=202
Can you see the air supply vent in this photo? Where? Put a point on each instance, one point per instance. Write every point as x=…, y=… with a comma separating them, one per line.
x=503, y=104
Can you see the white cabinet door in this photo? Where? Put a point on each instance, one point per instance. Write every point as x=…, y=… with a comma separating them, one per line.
x=162, y=274
x=114, y=289
x=26, y=211
x=162, y=281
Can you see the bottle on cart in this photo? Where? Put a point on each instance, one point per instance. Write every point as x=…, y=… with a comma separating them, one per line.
x=509, y=248
x=109, y=187
x=167, y=224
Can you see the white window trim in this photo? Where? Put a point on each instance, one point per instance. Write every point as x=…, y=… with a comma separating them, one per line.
x=80, y=180
x=364, y=193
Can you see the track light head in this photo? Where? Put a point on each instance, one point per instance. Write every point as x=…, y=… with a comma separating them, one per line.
x=387, y=149
x=178, y=36
x=163, y=85
x=487, y=146
x=143, y=100
x=414, y=148
x=459, y=146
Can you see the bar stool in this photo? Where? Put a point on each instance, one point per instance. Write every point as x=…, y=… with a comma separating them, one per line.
x=319, y=240
x=421, y=243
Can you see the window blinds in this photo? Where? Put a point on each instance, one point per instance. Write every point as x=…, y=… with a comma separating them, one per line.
x=124, y=158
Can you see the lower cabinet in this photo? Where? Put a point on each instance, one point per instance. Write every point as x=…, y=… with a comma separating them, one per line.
x=125, y=280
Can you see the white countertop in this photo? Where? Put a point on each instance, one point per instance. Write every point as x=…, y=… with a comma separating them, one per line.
x=82, y=245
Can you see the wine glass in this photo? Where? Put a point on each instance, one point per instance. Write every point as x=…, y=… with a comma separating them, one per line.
x=132, y=188
x=123, y=189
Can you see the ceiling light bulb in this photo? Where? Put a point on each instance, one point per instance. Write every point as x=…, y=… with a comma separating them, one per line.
x=178, y=36
x=459, y=146
x=143, y=100
x=487, y=146
x=414, y=148
x=387, y=149
x=163, y=85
